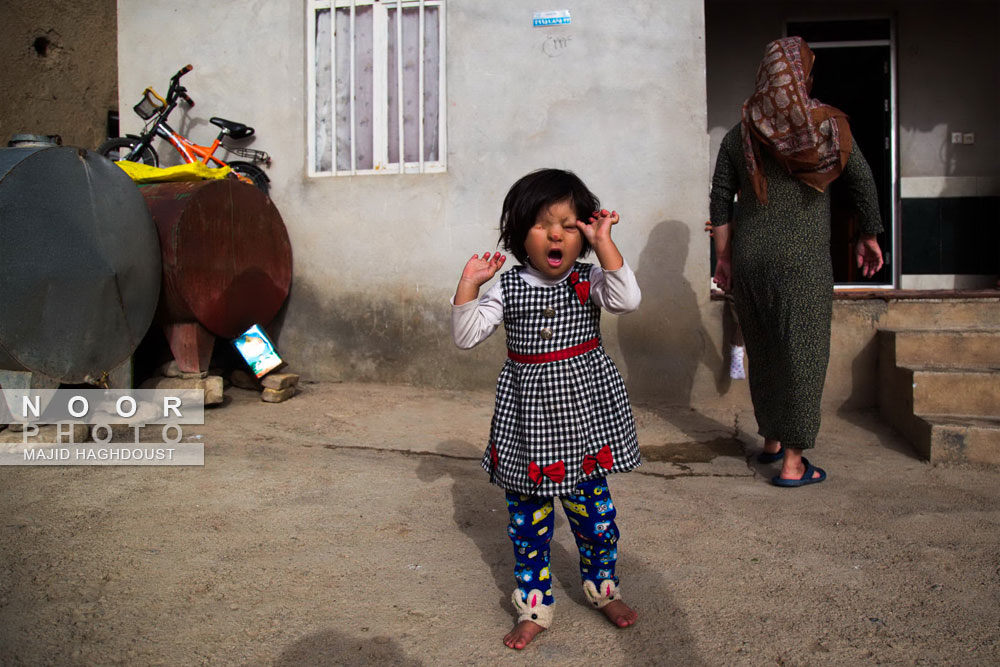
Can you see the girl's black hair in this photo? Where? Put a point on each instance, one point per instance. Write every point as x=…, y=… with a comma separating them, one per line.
x=534, y=192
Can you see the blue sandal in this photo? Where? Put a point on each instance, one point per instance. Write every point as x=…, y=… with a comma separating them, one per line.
x=807, y=476
x=765, y=457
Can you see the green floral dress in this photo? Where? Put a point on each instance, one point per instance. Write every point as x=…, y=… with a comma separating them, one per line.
x=783, y=283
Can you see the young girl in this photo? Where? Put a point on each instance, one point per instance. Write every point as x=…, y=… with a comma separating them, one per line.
x=562, y=419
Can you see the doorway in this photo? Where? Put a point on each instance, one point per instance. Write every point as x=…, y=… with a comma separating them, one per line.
x=854, y=72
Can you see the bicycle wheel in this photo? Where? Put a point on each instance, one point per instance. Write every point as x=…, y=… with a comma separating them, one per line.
x=118, y=149
x=253, y=173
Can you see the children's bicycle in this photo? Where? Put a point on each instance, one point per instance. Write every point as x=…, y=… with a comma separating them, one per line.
x=154, y=110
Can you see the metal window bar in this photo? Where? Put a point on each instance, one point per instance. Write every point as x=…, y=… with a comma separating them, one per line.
x=399, y=86
x=312, y=58
x=379, y=86
x=441, y=132
x=333, y=88
x=351, y=96
x=311, y=39
x=420, y=86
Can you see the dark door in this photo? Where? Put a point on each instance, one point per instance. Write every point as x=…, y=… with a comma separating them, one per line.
x=853, y=73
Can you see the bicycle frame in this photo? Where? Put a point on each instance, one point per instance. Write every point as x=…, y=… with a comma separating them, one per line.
x=190, y=151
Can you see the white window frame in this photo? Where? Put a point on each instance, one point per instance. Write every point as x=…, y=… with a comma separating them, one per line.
x=380, y=83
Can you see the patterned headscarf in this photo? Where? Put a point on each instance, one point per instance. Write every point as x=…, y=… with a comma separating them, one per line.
x=811, y=140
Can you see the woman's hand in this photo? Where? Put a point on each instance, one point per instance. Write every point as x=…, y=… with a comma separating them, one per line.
x=723, y=273
x=869, y=255
x=477, y=271
x=723, y=254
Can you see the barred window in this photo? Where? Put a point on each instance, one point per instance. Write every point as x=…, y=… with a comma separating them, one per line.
x=376, y=87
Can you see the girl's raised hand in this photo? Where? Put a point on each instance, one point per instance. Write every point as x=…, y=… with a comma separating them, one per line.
x=480, y=269
x=476, y=272
x=598, y=234
x=600, y=225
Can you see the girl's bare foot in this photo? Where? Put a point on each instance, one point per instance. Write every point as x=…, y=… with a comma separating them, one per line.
x=522, y=634
x=620, y=613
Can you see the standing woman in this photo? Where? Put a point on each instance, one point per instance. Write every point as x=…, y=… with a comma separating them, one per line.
x=780, y=158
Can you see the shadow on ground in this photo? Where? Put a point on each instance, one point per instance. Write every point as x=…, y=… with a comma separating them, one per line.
x=332, y=648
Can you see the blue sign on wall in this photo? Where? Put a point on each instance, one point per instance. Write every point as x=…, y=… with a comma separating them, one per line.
x=556, y=17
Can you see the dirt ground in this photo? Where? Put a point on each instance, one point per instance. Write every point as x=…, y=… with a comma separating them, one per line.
x=352, y=525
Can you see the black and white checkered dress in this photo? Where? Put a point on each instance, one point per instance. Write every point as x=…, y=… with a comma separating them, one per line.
x=557, y=423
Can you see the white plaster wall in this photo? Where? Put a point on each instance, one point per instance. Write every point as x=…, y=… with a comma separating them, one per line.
x=377, y=257
x=950, y=67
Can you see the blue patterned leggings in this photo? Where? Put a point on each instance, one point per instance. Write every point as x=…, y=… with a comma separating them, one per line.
x=591, y=516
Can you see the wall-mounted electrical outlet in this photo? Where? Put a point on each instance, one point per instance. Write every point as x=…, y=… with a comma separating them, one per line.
x=956, y=137
x=969, y=138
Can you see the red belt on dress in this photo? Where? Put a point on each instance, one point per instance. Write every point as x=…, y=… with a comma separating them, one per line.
x=558, y=355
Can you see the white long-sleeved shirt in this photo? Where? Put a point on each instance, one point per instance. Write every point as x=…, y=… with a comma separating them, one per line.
x=471, y=323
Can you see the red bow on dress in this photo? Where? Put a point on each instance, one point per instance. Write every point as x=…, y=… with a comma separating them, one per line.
x=602, y=458
x=582, y=289
x=556, y=472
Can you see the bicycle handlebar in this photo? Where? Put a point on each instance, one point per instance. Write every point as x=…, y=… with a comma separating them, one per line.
x=181, y=72
x=177, y=89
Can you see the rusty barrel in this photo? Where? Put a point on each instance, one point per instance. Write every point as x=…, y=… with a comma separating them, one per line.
x=79, y=264
x=227, y=261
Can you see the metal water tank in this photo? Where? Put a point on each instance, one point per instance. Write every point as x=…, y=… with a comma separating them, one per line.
x=79, y=264
x=227, y=260
x=28, y=140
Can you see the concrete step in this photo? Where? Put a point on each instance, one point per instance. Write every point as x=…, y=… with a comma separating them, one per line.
x=956, y=439
x=968, y=348
x=941, y=390
x=967, y=392
x=945, y=313
x=954, y=391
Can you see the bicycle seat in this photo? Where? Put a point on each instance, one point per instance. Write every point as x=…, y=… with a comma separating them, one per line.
x=232, y=128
